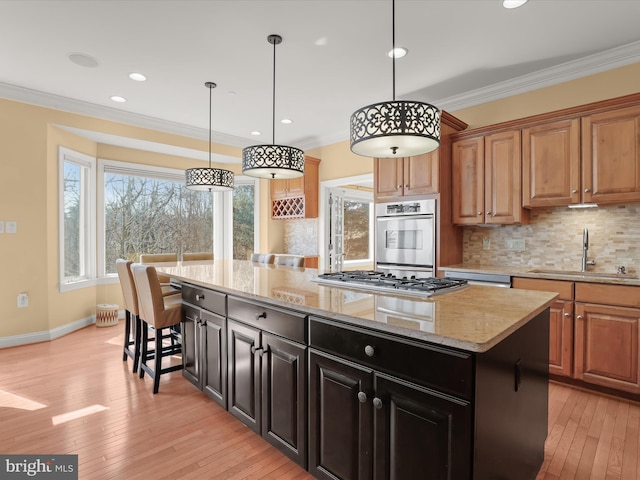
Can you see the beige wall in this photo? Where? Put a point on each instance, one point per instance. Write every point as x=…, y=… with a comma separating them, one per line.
x=28, y=187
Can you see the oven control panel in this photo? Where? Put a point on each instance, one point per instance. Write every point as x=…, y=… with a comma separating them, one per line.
x=418, y=207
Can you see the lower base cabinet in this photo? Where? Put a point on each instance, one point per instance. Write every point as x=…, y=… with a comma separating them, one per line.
x=365, y=424
x=267, y=387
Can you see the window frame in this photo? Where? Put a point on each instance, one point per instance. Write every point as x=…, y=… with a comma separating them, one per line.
x=88, y=218
x=362, y=197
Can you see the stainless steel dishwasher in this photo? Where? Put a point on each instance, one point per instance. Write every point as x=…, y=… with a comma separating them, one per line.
x=472, y=278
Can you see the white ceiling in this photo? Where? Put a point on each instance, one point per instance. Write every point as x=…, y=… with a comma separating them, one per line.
x=331, y=62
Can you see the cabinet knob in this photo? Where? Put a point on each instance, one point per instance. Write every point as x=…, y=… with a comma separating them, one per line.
x=479, y=213
x=261, y=315
x=253, y=349
x=586, y=190
x=362, y=397
x=574, y=191
x=399, y=186
x=377, y=403
x=567, y=314
x=579, y=317
x=369, y=351
x=199, y=297
x=406, y=186
x=488, y=213
x=263, y=351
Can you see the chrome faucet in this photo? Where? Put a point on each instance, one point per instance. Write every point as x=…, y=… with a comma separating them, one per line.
x=585, y=249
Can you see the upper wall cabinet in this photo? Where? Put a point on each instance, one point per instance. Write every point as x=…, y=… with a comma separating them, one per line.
x=296, y=197
x=592, y=159
x=487, y=180
x=398, y=177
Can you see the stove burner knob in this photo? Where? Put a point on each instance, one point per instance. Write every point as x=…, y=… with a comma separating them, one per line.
x=369, y=351
x=413, y=277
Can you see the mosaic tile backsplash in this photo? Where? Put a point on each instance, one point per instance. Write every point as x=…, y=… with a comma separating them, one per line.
x=301, y=236
x=553, y=239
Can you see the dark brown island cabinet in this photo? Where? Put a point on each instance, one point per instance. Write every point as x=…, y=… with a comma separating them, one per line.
x=352, y=403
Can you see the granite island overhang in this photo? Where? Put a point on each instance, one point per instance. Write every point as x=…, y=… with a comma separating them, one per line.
x=474, y=318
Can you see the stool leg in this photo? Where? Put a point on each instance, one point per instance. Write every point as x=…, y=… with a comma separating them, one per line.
x=158, y=361
x=136, y=354
x=143, y=343
x=127, y=329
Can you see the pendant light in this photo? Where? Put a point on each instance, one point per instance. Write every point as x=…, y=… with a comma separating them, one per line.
x=399, y=128
x=209, y=179
x=273, y=161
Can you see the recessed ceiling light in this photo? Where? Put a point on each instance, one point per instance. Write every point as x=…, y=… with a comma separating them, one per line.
x=513, y=3
x=286, y=121
x=321, y=42
x=399, y=52
x=256, y=133
x=83, y=60
x=138, y=77
x=118, y=99
x=231, y=92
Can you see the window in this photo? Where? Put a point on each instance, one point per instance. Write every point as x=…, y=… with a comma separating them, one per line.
x=76, y=187
x=357, y=230
x=149, y=210
x=244, y=220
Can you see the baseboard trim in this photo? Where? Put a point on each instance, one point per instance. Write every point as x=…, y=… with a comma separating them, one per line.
x=47, y=335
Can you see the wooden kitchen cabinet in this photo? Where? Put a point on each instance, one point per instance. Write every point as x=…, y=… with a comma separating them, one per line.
x=398, y=177
x=487, y=180
x=551, y=164
x=560, y=322
x=296, y=197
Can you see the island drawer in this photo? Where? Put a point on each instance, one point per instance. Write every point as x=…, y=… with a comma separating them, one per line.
x=450, y=371
x=204, y=298
x=286, y=323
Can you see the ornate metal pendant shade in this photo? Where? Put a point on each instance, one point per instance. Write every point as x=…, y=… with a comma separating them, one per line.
x=273, y=161
x=209, y=179
x=399, y=128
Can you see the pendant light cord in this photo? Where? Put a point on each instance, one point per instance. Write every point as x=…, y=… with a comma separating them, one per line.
x=393, y=45
x=273, y=109
x=210, y=90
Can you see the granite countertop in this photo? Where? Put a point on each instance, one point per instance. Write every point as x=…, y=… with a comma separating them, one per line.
x=473, y=318
x=546, y=273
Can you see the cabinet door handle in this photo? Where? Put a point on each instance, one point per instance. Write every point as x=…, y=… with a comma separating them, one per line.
x=377, y=403
x=574, y=191
x=406, y=186
x=579, y=317
x=479, y=213
x=399, y=186
x=369, y=351
x=254, y=349
x=199, y=297
x=261, y=315
x=586, y=190
x=362, y=397
x=263, y=351
x=567, y=314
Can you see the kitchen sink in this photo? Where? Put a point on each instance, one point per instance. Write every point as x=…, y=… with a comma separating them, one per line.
x=575, y=273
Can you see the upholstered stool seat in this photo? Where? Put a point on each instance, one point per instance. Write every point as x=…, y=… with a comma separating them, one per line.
x=290, y=260
x=162, y=313
x=131, y=313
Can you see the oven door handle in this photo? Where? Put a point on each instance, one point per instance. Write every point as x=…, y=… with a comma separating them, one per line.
x=428, y=216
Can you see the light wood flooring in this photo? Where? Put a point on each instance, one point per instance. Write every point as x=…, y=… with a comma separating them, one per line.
x=122, y=430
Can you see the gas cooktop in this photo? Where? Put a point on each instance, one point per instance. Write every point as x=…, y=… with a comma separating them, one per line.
x=388, y=283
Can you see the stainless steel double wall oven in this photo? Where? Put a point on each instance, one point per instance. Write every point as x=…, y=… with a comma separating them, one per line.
x=405, y=238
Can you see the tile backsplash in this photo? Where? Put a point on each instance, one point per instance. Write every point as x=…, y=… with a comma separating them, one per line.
x=301, y=236
x=554, y=239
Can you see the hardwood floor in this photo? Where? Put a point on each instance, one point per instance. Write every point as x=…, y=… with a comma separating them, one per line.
x=127, y=432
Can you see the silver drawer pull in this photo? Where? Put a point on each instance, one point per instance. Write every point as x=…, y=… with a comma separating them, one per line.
x=377, y=403
x=362, y=397
x=261, y=315
x=199, y=297
x=369, y=351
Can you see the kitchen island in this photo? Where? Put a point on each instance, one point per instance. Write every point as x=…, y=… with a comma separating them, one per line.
x=354, y=385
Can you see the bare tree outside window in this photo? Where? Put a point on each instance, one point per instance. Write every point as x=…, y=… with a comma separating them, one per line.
x=72, y=220
x=356, y=230
x=149, y=215
x=243, y=221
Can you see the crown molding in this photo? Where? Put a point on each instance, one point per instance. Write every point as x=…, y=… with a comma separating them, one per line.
x=57, y=102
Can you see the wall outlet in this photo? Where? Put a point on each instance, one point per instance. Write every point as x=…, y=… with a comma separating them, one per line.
x=23, y=300
x=515, y=244
x=11, y=227
x=486, y=243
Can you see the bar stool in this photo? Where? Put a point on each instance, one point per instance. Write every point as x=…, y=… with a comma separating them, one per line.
x=262, y=257
x=187, y=257
x=160, y=258
x=290, y=260
x=131, y=313
x=160, y=313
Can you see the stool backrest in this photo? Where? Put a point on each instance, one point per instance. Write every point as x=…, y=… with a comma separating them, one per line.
x=290, y=260
x=150, y=297
x=188, y=256
x=128, y=286
x=262, y=257
x=158, y=257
